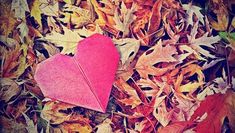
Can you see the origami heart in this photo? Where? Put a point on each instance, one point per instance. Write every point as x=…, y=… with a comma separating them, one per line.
x=84, y=79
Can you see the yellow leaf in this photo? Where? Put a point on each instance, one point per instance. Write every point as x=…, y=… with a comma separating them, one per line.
x=69, y=39
x=187, y=72
x=222, y=23
x=190, y=87
x=76, y=127
x=52, y=112
x=36, y=12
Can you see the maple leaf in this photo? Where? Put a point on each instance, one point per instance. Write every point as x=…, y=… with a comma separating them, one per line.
x=133, y=98
x=154, y=55
x=196, y=43
x=217, y=107
x=122, y=24
x=128, y=48
x=19, y=7
x=190, y=9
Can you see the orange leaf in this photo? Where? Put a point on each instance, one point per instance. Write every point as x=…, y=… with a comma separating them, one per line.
x=155, y=18
x=133, y=98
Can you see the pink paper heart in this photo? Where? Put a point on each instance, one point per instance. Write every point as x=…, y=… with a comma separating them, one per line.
x=84, y=79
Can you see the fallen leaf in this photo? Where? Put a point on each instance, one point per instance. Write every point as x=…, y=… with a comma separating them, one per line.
x=36, y=12
x=10, y=125
x=19, y=7
x=190, y=10
x=69, y=39
x=217, y=107
x=191, y=86
x=50, y=8
x=31, y=128
x=196, y=43
x=52, y=112
x=154, y=55
x=14, y=61
x=24, y=30
x=76, y=127
x=127, y=18
x=186, y=106
x=161, y=114
x=133, y=100
x=9, y=89
x=76, y=16
x=105, y=126
x=128, y=49
x=7, y=18
x=155, y=15
x=177, y=127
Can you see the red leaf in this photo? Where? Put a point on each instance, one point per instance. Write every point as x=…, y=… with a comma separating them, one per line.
x=217, y=107
x=177, y=127
x=85, y=79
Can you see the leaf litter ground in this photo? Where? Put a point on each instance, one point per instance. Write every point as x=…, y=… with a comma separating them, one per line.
x=176, y=71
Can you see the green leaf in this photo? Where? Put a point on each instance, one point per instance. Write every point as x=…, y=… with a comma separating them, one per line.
x=224, y=35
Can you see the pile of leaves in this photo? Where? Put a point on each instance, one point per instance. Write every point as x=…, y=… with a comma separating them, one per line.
x=176, y=71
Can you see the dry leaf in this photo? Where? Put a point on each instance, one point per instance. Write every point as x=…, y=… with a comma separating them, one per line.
x=133, y=100
x=196, y=43
x=124, y=20
x=217, y=107
x=128, y=48
x=19, y=7
x=154, y=55
x=9, y=89
x=105, y=126
x=190, y=10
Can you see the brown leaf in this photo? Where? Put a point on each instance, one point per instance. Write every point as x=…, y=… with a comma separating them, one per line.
x=9, y=89
x=7, y=18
